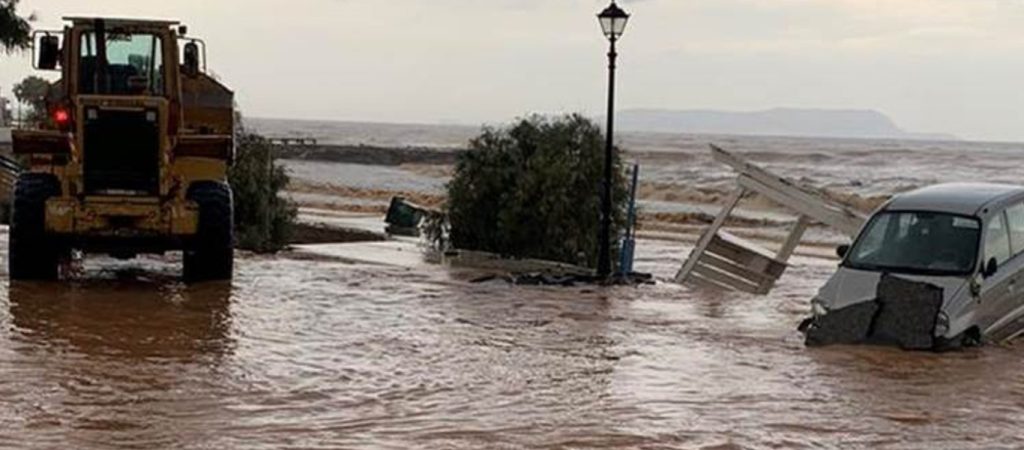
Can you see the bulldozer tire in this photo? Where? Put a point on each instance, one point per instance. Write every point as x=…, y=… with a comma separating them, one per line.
x=210, y=256
x=32, y=255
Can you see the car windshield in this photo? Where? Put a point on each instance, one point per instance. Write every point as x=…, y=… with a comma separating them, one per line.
x=917, y=242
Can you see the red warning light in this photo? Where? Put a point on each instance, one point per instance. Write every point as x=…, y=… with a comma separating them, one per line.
x=62, y=117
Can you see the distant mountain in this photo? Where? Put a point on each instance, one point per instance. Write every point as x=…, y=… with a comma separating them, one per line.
x=829, y=123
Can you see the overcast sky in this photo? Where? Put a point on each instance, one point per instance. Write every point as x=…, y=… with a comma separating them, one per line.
x=950, y=66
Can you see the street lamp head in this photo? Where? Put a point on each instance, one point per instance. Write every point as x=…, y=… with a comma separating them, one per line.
x=613, y=21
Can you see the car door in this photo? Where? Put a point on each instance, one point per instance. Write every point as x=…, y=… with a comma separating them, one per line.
x=1012, y=308
x=999, y=289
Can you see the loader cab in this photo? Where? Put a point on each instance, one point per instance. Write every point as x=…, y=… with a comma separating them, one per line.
x=133, y=64
x=124, y=58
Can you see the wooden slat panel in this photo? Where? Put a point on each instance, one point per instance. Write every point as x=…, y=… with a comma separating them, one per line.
x=698, y=280
x=743, y=272
x=727, y=262
x=747, y=244
x=793, y=240
x=724, y=278
x=708, y=235
x=806, y=199
x=746, y=257
x=816, y=210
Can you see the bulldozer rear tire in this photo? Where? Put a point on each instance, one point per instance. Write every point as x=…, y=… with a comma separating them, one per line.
x=210, y=256
x=32, y=255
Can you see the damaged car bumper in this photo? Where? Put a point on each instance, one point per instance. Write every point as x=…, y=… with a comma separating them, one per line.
x=904, y=313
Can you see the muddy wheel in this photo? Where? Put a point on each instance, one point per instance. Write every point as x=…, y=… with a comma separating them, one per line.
x=210, y=255
x=32, y=255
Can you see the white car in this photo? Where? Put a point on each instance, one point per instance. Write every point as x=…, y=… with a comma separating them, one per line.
x=934, y=268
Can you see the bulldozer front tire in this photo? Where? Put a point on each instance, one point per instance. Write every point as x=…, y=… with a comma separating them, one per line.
x=210, y=256
x=32, y=255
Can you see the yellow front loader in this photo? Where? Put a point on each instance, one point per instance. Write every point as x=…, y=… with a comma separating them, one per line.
x=133, y=154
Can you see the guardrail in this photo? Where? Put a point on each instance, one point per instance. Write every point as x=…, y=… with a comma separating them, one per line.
x=9, y=171
x=293, y=141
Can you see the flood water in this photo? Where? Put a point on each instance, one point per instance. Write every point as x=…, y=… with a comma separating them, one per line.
x=303, y=352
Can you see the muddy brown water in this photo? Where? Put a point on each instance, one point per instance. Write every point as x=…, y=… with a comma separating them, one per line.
x=314, y=353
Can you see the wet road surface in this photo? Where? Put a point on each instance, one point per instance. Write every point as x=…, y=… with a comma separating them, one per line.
x=303, y=352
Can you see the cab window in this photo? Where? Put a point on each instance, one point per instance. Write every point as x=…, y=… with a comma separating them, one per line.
x=134, y=64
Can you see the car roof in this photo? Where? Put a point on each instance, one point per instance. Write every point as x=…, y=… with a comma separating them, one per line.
x=122, y=21
x=969, y=199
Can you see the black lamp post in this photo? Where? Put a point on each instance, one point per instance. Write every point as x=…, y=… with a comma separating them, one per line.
x=613, y=22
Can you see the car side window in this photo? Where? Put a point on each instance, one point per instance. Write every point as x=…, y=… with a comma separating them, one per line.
x=997, y=239
x=1015, y=218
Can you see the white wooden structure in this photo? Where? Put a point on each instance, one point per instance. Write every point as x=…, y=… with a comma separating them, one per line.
x=723, y=261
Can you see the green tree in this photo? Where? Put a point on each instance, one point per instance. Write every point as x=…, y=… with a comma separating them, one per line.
x=15, y=31
x=263, y=220
x=32, y=91
x=532, y=190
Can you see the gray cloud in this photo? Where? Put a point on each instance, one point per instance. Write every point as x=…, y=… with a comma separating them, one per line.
x=934, y=65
